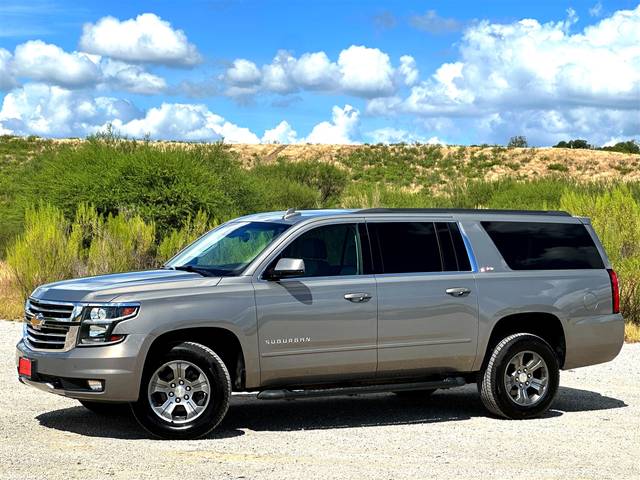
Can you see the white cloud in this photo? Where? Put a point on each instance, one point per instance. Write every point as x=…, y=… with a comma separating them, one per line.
x=243, y=72
x=146, y=39
x=282, y=133
x=7, y=75
x=184, y=121
x=132, y=78
x=365, y=72
x=57, y=112
x=340, y=130
x=359, y=71
x=409, y=70
x=517, y=76
x=390, y=135
x=49, y=63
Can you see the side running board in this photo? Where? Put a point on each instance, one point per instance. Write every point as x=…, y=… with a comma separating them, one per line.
x=449, y=382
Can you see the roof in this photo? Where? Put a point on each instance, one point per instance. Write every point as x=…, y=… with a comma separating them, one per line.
x=466, y=211
x=290, y=217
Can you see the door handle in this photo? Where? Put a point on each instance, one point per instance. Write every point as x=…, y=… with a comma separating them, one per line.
x=357, y=297
x=458, y=291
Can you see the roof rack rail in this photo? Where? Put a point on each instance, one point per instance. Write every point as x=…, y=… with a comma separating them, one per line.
x=291, y=212
x=555, y=213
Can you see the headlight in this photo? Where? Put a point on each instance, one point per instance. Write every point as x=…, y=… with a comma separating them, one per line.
x=98, y=322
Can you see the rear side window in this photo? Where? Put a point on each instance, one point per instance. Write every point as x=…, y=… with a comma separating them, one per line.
x=454, y=254
x=544, y=246
x=407, y=247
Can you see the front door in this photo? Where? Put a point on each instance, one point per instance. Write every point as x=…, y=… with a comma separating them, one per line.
x=428, y=308
x=321, y=325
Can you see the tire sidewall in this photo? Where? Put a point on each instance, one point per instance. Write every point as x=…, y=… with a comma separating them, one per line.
x=502, y=397
x=218, y=377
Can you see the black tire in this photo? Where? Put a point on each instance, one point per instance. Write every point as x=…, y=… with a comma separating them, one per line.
x=220, y=391
x=491, y=381
x=105, y=408
x=415, y=394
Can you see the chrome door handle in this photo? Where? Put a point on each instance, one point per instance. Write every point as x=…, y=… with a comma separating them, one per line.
x=458, y=291
x=357, y=297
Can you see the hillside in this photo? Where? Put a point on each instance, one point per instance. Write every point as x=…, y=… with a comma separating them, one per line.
x=413, y=166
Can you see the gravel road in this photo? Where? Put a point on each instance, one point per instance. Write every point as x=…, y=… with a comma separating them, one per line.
x=592, y=432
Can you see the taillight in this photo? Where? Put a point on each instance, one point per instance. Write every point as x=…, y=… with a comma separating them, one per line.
x=615, y=290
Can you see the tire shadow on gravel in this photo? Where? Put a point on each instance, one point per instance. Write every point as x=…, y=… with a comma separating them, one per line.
x=248, y=413
x=120, y=425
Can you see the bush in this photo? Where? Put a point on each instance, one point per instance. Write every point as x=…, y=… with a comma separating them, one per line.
x=161, y=184
x=180, y=238
x=122, y=243
x=45, y=251
x=630, y=146
x=518, y=141
x=578, y=143
x=615, y=216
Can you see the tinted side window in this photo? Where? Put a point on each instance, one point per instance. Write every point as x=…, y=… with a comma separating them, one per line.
x=454, y=253
x=407, y=247
x=544, y=246
x=327, y=251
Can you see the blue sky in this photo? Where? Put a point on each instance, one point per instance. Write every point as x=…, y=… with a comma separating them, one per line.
x=323, y=72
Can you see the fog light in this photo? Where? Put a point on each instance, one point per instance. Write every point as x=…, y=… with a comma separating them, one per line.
x=95, y=385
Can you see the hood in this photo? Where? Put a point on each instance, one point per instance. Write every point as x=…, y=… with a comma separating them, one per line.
x=105, y=288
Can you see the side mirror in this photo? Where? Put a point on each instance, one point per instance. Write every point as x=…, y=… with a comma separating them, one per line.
x=287, y=267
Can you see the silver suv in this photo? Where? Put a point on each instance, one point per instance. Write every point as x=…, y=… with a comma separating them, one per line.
x=301, y=304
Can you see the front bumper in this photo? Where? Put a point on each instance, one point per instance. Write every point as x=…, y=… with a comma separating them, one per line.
x=118, y=366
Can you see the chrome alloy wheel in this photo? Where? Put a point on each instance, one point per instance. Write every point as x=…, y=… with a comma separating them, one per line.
x=179, y=391
x=526, y=378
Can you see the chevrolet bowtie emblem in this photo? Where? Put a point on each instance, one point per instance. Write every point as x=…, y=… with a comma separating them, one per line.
x=37, y=321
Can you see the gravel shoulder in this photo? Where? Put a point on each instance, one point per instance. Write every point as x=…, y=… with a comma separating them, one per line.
x=592, y=432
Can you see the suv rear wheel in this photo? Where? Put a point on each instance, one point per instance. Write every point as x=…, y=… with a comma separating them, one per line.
x=184, y=393
x=521, y=377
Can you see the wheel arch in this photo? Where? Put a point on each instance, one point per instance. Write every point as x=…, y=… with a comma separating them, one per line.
x=221, y=340
x=543, y=324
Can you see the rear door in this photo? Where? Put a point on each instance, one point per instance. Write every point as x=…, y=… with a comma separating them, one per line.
x=427, y=301
x=320, y=326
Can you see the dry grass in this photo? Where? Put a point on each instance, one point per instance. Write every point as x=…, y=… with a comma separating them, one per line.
x=631, y=333
x=11, y=302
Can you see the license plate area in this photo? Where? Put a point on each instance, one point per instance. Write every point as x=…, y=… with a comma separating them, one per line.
x=26, y=367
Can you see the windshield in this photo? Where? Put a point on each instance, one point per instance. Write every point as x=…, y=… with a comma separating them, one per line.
x=228, y=249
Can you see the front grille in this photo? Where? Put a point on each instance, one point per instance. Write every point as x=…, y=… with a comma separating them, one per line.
x=50, y=326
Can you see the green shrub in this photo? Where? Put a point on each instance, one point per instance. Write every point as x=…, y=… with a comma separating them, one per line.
x=44, y=252
x=177, y=239
x=123, y=243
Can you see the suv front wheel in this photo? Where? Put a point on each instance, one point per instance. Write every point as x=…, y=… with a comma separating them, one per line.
x=521, y=377
x=184, y=393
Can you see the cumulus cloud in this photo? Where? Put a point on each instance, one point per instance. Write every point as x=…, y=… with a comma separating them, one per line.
x=57, y=112
x=517, y=75
x=7, y=75
x=282, y=133
x=341, y=129
x=53, y=111
x=359, y=71
x=145, y=39
x=49, y=63
x=131, y=78
x=390, y=135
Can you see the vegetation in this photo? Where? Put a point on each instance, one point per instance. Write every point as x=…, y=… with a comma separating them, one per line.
x=107, y=204
x=630, y=146
x=578, y=143
x=518, y=141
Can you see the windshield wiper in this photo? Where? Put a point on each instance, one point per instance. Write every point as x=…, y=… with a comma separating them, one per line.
x=205, y=272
